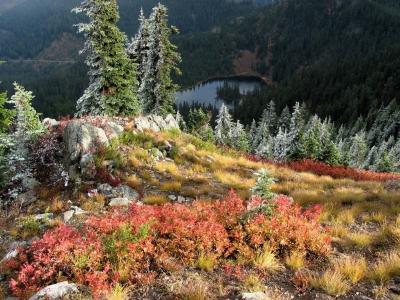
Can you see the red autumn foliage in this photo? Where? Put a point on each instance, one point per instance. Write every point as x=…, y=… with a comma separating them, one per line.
x=133, y=246
x=322, y=169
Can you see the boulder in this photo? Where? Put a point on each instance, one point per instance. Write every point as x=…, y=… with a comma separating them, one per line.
x=50, y=123
x=156, y=123
x=255, y=296
x=115, y=202
x=82, y=138
x=121, y=191
x=56, y=291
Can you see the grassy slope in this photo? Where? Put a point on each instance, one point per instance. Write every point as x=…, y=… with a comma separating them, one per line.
x=362, y=216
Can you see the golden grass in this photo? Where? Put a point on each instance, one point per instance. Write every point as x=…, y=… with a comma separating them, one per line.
x=386, y=267
x=233, y=180
x=352, y=268
x=168, y=167
x=171, y=186
x=253, y=283
x=57, y=205
x=193, y=288
x=295, y=260
x=155, y=199
x=118, y=293
x=267, y=260
x=205, y=262
x=359, y=240
x=332, y=282
x=133, y=181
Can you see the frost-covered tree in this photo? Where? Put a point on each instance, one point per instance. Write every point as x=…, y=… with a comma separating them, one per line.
x=264, y=149
x=157, y=90
x=224, y=127
x=272, y=117
x=284, y=119
x=281, y=145
x=27, y=128
x=262, y=137
x=252, y=135
x=358, y=150
x=181, y=122
x=6, y=115
x=139, y=46
x=112, y=74
x=239, y=137
x=296, y=130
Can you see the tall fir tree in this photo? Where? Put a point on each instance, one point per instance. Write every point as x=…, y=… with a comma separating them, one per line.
x=239, y=137
x=284, y=119
x=6, y=115
x=281, y=145
x=157, y=90
x=358, y=150
x=296, y=131
x=224, y=127
x=138, y=48
x=112, y=74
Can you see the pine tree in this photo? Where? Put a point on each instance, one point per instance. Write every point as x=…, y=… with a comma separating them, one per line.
x=157, y=90
x=263, y=132
x=284, y=120
x=252, y=135
x=112, y=75
x=223, y=129
x=239, y=137
x=296, y=131
x=6, y=115
x=281, y=145
x=139, y=46
x=358, y=150
x=28, y=128
x=271, y=117
x=181, y=122
x=264, y=149
x=313, y=138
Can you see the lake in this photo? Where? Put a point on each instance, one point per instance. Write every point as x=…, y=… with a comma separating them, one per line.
x=215, y=92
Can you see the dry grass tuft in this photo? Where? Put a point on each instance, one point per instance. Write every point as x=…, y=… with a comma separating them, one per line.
x=296, y=260
x=352, y=268
x=118, y=293
x=205, y=263
x=267, y=260
x=386, y=267
x=192, y=288
x=360, y=240
x=155, y=199
x=171, y=186
x=332, y=282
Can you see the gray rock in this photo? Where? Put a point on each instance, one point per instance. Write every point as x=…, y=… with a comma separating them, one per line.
x=78, y=211
x=27, y=198
x=56, y=291
x=50, y=123
x=82, y=138
x=106, y=190
x=88, y=165
x=155, y=123
x=255, y=296
x=115, y=202
x=181, y=199
x=115, y=129
x=68, y=215
x=124, y=191
x=44, y=217
x=172, y=197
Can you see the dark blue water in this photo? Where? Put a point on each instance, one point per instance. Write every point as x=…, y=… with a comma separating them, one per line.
x=206, y=93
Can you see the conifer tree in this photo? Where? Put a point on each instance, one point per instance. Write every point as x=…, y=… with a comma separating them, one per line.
x=263, y=132
x=296, y=130
x=358, y=150
x=271, y=117
x=157, y=90
x=239, y=137
x=252, y=135
x=284, y=119
x=28, y=128
x=6, y=115
x=139, y=46
x=313, y=138
x=223, y=129
x=112, y=74
x=281, y=145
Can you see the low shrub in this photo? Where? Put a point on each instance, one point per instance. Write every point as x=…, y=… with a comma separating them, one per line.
x=132, y=246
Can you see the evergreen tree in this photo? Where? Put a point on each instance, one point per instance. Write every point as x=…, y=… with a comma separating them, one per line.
x=252, y=135
x=358, y=150
x=239, y=137
x=296, y=131
x=284, y=120
x=281, y=145
x=223, y=129
x=262, y=136
x=139, y=46
x=28, y=128
x=264, y=149
x=112, y=74
x=181, y=122
x=271, y=117
x=313, y=138
x=6, y=115
x=157, y=90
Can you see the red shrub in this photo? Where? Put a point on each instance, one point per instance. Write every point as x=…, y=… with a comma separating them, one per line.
x=133, y=246
x=320, y=168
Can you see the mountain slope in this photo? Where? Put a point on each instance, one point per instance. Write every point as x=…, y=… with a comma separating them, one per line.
x=341, y=57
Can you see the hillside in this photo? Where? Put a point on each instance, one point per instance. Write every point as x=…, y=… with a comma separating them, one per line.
x=176, y=240
x=340, y=57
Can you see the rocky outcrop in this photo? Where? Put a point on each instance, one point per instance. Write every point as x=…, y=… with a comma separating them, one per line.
x=57, y=291
x=156, y=123
x=82, y=137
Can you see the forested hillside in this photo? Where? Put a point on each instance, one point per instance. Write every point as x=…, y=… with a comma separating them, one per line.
x=340, y=57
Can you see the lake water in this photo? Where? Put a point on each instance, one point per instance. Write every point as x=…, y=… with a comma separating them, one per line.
x=207, y=93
